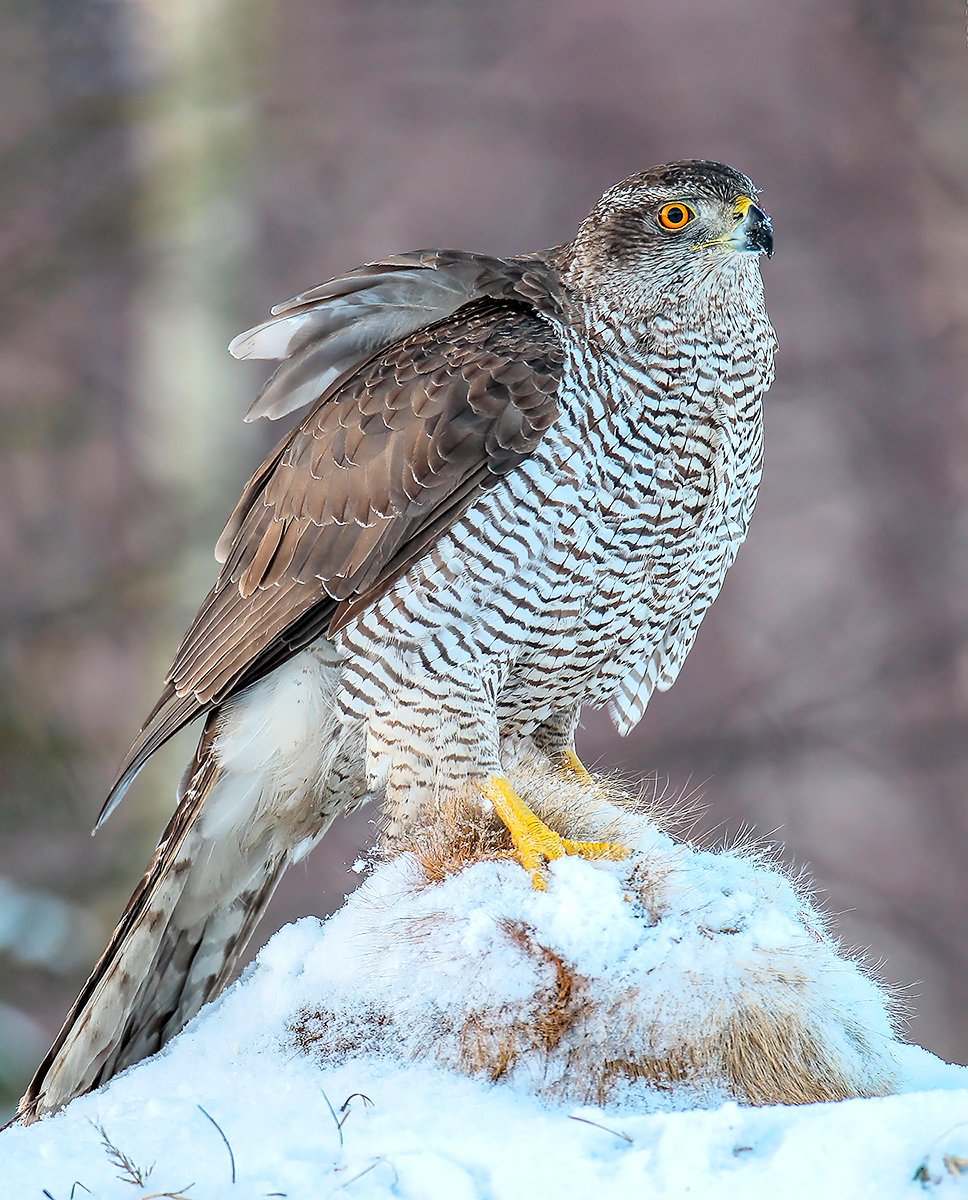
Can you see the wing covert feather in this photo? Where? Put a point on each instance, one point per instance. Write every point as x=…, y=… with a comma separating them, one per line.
x=380, y=467
x=360, y=475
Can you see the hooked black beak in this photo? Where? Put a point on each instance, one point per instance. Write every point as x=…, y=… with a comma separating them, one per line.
x=754, y=233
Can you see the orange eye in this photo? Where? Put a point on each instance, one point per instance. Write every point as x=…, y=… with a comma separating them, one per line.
x=676, y=215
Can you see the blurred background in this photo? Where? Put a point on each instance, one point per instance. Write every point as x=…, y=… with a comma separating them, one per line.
x=170, y=168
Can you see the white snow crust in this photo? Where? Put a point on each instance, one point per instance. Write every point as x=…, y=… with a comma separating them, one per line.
x=383, y=1106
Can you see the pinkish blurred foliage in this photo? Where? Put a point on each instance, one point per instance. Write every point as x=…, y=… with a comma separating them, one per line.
x=169, y=171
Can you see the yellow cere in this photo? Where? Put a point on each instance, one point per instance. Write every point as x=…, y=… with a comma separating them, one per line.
x=741, y=207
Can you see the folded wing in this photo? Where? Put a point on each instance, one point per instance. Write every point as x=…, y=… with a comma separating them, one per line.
x=457, y=384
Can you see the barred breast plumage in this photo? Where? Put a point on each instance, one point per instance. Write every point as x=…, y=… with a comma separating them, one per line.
x=518, y=490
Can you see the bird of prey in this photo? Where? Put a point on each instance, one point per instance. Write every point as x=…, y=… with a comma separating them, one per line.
x=516, y=489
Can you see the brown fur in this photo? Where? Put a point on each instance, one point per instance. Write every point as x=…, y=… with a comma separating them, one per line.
x=765, y=1047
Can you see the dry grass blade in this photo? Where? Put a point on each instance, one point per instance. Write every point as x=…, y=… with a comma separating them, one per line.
x=366, y=1170
x=952, y=1163
x=336, y=1121
x=221, y=1133
x=129, y=1171
x=345, y=1106
x=615, y=1132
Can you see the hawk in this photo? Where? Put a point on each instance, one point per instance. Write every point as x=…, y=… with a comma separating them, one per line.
x=516, y=489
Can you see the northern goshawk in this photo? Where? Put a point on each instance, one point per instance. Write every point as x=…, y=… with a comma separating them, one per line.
x=517, y=489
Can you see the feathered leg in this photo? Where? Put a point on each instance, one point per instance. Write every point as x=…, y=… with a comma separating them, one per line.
x=438, y=736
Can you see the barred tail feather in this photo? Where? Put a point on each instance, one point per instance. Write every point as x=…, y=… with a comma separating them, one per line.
x=174, y=947
x=256, y=797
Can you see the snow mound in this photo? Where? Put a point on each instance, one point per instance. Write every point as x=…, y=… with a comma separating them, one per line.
x=671, y=977
x=429, y=1041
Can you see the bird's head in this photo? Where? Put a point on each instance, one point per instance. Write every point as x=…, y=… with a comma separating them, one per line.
x=667, y=229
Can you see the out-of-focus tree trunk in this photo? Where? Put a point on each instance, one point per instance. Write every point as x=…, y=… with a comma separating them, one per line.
x=170, y=170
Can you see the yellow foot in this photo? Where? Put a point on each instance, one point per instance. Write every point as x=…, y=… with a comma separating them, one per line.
x=573, y=765
x=534, y=842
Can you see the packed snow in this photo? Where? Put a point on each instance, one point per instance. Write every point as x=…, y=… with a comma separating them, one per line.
x=452, y=1033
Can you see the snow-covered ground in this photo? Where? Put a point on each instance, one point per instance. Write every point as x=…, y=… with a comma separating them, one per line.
x=441, y=1035
x=427, y=1134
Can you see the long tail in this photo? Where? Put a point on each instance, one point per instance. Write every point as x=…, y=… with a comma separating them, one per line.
x=217, y=864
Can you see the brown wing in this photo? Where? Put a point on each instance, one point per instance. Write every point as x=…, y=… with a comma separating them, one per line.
x=329, y=330
x=380, y=467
